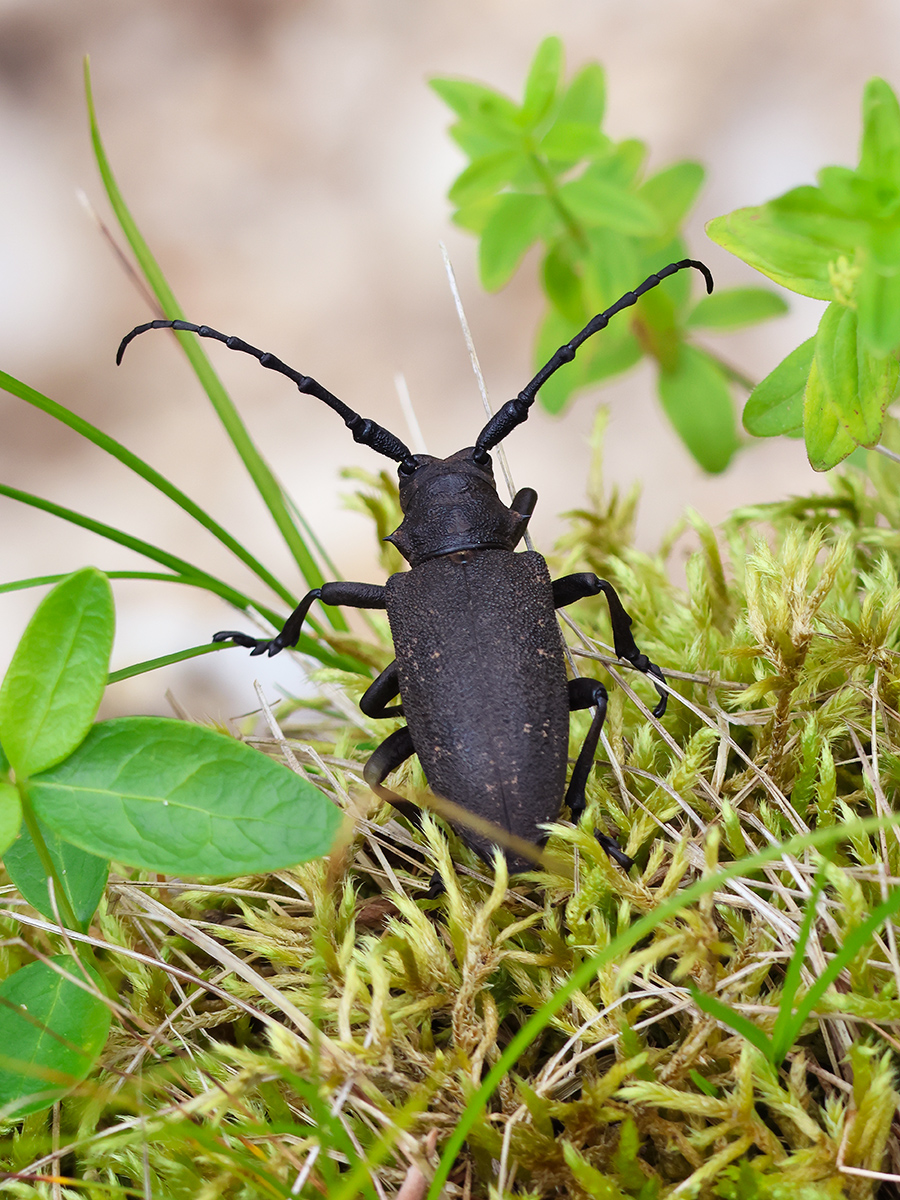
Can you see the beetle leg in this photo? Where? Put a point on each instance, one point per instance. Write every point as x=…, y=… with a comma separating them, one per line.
x=570, y=588
x=384, y=688
x=394, y=750
x=354, y=595
x=587, y=693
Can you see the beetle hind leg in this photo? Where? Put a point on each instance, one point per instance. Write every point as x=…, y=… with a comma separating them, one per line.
x=590, y=693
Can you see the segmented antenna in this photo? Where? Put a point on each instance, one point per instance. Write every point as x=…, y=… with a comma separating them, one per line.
x=514, y=412
x=366, y=432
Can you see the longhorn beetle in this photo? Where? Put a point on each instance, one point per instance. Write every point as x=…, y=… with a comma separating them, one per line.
x=480, y=667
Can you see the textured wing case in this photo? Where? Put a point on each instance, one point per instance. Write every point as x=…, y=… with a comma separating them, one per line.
x=483, y=684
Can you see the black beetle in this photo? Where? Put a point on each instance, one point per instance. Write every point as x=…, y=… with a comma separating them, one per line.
x=480, y=667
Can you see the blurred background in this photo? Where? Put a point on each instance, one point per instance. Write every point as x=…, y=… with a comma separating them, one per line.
x=288, y=165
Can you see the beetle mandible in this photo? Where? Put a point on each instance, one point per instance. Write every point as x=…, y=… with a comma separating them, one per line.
x=480, y=667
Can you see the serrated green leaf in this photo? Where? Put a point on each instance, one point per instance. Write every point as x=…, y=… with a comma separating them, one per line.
x=10, y=815
x=484, y=177
x=570, y=141
x=599, y=202
x=179, y=798
x=517, y=222
x=735, y=308
x=698, y=403
x=775, y=406
x=857, y=385
x=52, y=690
x=879, y=155
x=878, y=306
x=51, y=1033
x=672, y=192
x=82, y=875
x=542, y=82
x=585, y=98
x=827, y=440
x=791, y=259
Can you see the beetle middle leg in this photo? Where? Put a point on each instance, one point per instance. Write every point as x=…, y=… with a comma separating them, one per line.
x=570, y=588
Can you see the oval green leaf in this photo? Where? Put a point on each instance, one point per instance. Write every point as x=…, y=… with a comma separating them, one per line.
x=10, y=815
x=878, y=307
x=698, y=403
x=181, y=799
x=735, y=308
x=672, y=192
x=775, y=406
x=880, y=151
x=51, y=1033
x=856, y=384
x=791, y=259
x=827, y=440
x=55, y=681
x=601, y=202
x=515, y=224
x=542, y=82
x=485, y=176
x=82, y=875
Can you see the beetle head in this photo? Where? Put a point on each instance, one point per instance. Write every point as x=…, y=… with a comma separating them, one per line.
x=451, y=504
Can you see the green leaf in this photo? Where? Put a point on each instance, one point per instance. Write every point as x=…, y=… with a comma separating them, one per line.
x=735, y=308
x=698, y=403
x=827, y=440
x=879, y=155
x=4, y=763
x=857, y=385
x=851, y=194
x=55, y=681
x=611, y=268
x=794, y=260
x=562, y=283
x=584, y=100
x=83, y=875
x=601, y=202
x=591, y=1181
x=51, y=1033
x=485, y=176
x=10, y=815
x=775, y=405
x=878, y=306
x=570, y=141
x=735, y=1020
x=672, y=192
x=475, y=102
x=542, y=82
x=515, y=224
x=181, y=799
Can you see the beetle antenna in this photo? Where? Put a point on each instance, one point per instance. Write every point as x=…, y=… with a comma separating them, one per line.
x=514, y=412
x=368, y=433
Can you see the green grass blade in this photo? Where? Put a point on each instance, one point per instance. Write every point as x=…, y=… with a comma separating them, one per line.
x=785, y=1029
x=585, y=972
x=259, y=471
x=714, y=1007
x=187, y=571
x=151, y=664
x=305, y=644
x=86, y=430
x=853, y=943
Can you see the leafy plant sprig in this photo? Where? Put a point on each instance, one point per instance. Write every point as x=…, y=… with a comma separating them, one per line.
x=543, y=171
x=838, y=241
x=148, y=792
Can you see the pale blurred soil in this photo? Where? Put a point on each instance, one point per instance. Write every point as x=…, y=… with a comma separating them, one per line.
x=289, y=166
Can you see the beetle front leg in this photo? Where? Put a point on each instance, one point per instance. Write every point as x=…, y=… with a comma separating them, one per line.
x=576, y=587
x=354, y=595
x=590, y=693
